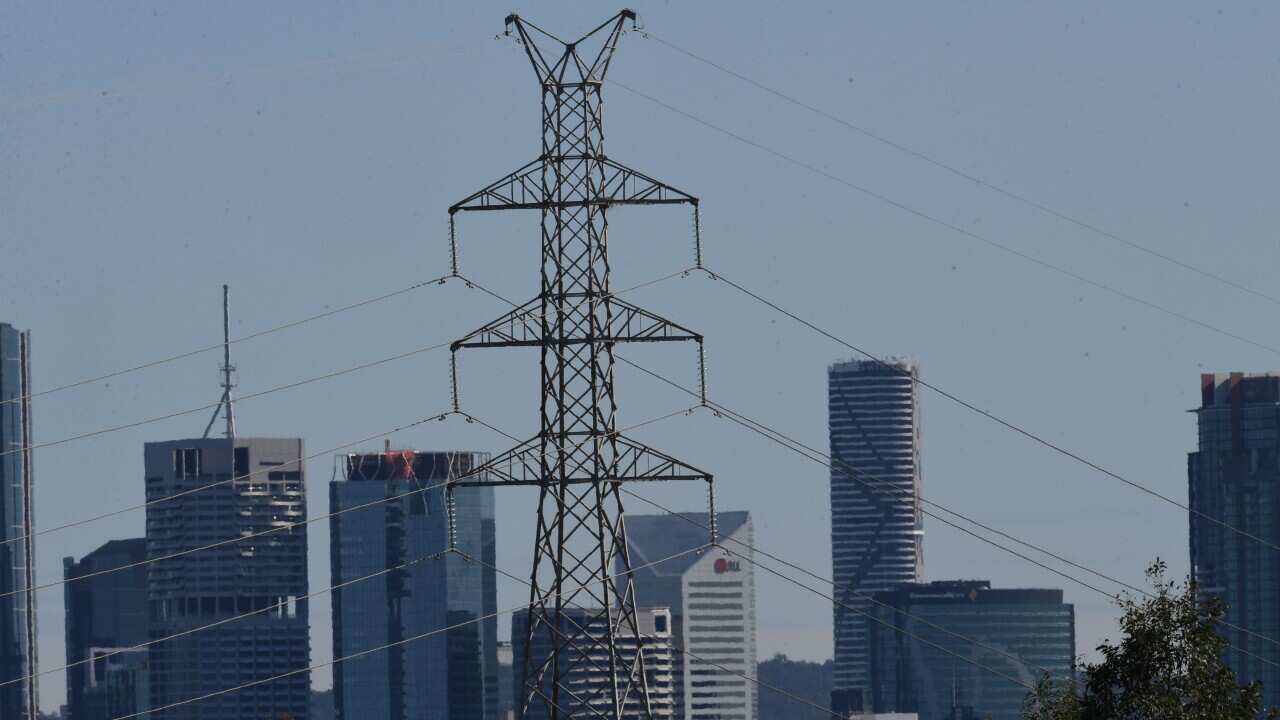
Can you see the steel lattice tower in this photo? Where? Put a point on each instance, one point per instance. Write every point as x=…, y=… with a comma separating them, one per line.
x=578, y=460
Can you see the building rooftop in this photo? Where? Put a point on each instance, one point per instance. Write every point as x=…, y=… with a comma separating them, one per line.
x=653, y=537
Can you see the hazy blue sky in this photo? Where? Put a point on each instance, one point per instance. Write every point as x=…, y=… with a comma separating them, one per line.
x=305, y=153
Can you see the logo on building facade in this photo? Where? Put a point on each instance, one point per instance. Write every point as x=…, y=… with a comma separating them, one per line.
x=724, y=565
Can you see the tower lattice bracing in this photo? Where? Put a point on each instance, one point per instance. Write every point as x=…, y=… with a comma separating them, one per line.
x=578, y=460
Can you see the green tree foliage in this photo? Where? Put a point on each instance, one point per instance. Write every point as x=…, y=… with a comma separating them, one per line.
x=1167, y=666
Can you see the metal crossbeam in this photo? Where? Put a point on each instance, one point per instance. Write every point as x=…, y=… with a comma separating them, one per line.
x=618, y=320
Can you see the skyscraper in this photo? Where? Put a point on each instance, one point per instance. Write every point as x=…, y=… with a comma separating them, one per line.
x=876, y=529
x=918, y=665
x=1234, y=478
x=237, y=487
x=105, y=614
x=713, y=610
x=450, y=676
x=584, y=667
x=17, y=552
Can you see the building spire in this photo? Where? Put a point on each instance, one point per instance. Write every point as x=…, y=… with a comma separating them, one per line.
x=225, y=404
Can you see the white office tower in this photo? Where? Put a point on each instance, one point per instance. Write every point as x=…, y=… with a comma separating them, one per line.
x=713, y=608
x=876, y=528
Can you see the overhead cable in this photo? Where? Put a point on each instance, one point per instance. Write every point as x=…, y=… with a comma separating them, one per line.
x=966, y=175
x=954, y=227
x=362, y=653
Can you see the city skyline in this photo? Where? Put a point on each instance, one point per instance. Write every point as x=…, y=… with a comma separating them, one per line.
x=300, y=156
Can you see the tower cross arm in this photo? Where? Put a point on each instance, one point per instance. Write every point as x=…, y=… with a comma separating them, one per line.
x=635, y=462
x=620, y=321
x=521, y=189
x=626, y=186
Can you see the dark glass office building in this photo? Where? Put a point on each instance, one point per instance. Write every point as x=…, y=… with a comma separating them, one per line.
x=1234, y=477
x=17, y=554
x=106, y=616
x=920, y=644
x=877, y=531
x=402, y=585
x=248, y=488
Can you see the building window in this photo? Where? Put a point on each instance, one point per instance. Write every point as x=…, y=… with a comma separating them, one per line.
x=187, y=462
x=242, y=461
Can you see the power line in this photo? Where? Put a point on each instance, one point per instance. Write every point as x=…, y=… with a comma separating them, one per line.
x=289, y=526
x=684, y=651
x=397, y=643
x=208, y=348
x=865, y=596
x=317, y=593
x=1007, y=424
x=224, y=621
x=952, y=226
x=255, y=473
x=921, y=155
x=286, y=386
x=250, y=396
x=856, y=474
x=778, y=437
x=793, y=581
x=231, y=540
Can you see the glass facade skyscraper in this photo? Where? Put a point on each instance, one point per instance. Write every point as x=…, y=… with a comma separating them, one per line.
x=915, y=660
x=17, y=554
x=243, y=487
x=876, y=529
x=449, y=676
x=1234, y=477
x=105, y=614
x=711, y=596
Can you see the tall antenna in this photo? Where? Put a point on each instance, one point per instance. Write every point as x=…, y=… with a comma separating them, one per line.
x=578, y=460
x=228, y=370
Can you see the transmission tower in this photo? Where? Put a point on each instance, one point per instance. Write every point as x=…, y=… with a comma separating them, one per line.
x=578, y=460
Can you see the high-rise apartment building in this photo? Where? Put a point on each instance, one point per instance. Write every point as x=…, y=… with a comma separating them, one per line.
x=876, y=529
x=1234, y=478
x=106, y=617
x=249, y=488
x=17, y=552
x=585, y=683
x=922, y=634
x=713, y=611
x=449, y=676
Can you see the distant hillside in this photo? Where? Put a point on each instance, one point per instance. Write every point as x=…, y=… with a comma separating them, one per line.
x=808, y=680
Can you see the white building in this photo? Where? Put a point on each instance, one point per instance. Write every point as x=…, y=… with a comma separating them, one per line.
x=713, y=609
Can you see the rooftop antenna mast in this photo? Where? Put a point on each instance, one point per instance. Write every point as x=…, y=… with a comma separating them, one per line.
x=225, y=405
x=582, y=618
